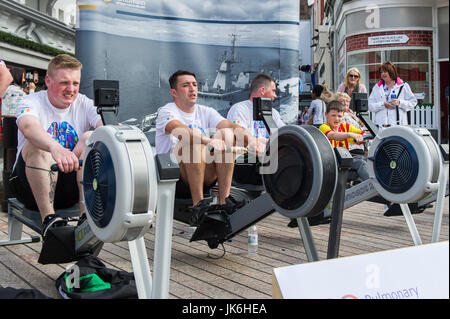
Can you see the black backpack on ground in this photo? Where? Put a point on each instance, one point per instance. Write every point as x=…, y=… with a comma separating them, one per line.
x=90, y=279
x=14, y=293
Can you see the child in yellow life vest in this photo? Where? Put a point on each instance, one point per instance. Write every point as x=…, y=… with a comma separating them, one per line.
x=341, y=134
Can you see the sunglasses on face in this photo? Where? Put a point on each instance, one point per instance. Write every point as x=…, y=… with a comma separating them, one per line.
x=353, y=76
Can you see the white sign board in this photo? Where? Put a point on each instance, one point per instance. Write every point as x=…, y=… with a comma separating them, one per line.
x=388, y=39
x=419, y=272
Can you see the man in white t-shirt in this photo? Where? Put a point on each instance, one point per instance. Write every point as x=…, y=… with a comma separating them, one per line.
x=5, y=78
x=184, y=128
x=53, y=126
x=241, y=113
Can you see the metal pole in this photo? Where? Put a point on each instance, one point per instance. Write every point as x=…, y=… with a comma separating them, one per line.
x=141, y=268
x=163, y=239
x=345, y=162
x=440, y=203
x=411, y=225
x=308, y=240
x=337, y=213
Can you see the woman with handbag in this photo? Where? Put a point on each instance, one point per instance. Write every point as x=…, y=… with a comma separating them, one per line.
x=391, y=98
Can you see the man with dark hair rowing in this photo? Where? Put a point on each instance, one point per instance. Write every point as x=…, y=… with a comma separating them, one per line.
x=190, y=131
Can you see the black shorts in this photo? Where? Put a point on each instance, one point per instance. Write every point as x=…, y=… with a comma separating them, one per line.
x=247, y=174
x=66, y=192
x=182, y=189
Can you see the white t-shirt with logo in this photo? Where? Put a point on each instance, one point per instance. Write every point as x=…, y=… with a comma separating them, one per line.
x=64, y=125
x=242, y=114
x=203, y=118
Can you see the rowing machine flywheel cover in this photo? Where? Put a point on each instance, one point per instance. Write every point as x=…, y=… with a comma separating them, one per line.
x=404, y=163
x=304, y=175
x=119, y=183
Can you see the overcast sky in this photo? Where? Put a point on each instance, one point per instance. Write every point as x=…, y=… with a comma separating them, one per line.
x=141, y=19
x=227, y=9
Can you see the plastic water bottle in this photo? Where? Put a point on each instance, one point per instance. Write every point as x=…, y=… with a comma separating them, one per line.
x=253, y=240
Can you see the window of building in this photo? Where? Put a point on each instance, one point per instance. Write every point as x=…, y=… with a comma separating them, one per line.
x=32, y=4
x=341, y=68
x=443, y=32
x=64, y=11
x=61, y=15
x=413, y=66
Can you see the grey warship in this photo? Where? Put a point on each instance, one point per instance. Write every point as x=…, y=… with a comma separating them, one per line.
x=229, y=88
x=225, y=92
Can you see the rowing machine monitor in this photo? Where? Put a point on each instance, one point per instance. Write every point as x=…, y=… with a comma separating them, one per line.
x=106, y=98
x=262, y=111
x=359, y=102
x=360, y=105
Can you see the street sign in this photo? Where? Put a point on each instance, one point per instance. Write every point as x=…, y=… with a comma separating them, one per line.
x=388, y=39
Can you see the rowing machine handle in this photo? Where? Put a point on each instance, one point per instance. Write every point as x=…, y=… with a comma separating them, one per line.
x=54, y=167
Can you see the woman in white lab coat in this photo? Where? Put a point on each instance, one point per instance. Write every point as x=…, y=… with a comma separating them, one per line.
x=391, y=98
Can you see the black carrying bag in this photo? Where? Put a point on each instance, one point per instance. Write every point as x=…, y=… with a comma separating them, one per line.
x=90, y=279
x=14, y=293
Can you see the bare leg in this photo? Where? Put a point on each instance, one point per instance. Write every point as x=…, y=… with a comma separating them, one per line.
x=192, y=171
x=41, y=181
x=224, y=179
x=224, y=165
x=196, y=170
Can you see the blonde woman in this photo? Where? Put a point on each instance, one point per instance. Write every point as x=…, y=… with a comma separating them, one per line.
x=352, y=83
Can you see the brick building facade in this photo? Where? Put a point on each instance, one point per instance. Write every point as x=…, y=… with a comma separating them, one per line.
x=411, y=34
x=417, y=38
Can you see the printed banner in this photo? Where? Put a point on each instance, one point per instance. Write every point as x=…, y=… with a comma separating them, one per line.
x=418, y=272
x=141, y=43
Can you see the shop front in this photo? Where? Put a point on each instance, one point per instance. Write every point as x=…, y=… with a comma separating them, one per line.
x=407, y=34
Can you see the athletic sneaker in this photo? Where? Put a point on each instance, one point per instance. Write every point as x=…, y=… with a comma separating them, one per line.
x=231, y=204
x=51, y=221
x=395, y=210
x=312, y=221
x=198, y=211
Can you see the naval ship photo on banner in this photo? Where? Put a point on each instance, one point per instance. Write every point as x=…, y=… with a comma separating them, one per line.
x=141, y=43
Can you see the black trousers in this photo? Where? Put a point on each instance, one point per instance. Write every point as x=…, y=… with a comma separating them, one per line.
x=66, y=192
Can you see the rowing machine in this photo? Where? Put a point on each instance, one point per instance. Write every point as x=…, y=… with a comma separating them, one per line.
x=405, y=165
